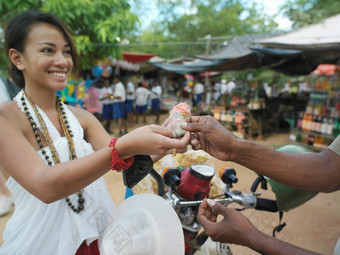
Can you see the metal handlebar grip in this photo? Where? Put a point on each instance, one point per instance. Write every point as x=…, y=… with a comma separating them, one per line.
x=268, y=205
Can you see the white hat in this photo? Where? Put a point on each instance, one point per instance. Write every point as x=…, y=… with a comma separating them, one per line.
x=143, y=224
x=224, y=81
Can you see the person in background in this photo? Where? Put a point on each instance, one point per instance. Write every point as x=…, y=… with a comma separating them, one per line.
x=217, y=92
x=156, y=91
x=142, y=95
x=224, y=92
x=198, y=94
x=130, y=100
x=209, y=94
x=7, y=91
x=106, y=97
x=55, y=154
x=93, y=103
x=119, y=98
x=308, y=171
x=231, y=85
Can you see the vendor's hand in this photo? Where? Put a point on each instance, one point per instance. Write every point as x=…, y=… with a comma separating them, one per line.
x=233, y=228
x=151, y=140
x=209, y=135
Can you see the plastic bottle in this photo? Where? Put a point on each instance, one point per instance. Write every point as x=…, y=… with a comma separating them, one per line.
x=318, y=124
x=309, y=122
x=223, y=116
x=324, y=125
x=316, y=143
x=330, y=126
x=217, y=114
x=304, y=122
x=314, y=123
x=336, y=127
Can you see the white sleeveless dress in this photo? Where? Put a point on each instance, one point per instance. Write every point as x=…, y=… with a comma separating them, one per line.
x=38, y=228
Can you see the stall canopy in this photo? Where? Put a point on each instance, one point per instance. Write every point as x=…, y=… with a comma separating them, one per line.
x=327, y=69
x=322, y=37
x=236, y=55
x=195, y=66
x=296, y=52
x=136, y=57
x=304, y=49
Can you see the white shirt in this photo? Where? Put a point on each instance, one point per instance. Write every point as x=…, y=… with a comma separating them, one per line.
x=130, y=88
x=156, y=92
x=103, y=92
x=230, y=86
x=224, y=88
x=39, y=228
x=119, y=91
x=199, y=88
x=142, y=95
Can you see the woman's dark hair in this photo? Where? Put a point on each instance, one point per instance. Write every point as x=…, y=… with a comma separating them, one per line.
x=18, y=29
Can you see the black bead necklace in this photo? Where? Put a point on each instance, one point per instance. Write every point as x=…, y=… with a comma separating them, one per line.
x=68, y=134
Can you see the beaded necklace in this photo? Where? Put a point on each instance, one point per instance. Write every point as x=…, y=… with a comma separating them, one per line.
x=68, y=134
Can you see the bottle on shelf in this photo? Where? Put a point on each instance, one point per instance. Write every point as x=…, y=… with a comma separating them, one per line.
x=304, y=138
x=324, y=125
x=329, y=130
x=309, y=122
x=299, y=135
x=217, y=114
x=310, y=139
x=223, y=116
x=336, y=127
x=314, y=123
x=317, y=143
x=304, y=122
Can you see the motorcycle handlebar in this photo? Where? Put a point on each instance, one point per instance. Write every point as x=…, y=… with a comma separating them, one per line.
x=263, y=204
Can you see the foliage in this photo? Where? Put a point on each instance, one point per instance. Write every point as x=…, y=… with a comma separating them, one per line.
x=306, y=12
x=94, y=22
x=181, y=28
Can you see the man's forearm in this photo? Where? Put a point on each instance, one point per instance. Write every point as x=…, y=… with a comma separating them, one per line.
x=307, y=171
x=268, y=245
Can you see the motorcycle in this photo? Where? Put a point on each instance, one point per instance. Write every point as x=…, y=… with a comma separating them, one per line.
x=185, y=189
x=188, y=188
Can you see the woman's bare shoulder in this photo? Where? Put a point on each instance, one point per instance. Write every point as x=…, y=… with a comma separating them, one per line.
x=10, y=111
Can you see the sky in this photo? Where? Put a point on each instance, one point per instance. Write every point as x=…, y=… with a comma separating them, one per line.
x=270, y=6
x=273, y=7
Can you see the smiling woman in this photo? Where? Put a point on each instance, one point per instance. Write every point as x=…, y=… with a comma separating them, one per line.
x=56, y=155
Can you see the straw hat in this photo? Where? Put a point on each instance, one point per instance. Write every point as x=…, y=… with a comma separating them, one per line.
x=143, y=224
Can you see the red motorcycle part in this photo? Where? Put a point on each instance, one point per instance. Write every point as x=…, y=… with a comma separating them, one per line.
x=190, y=242
x=195, y=182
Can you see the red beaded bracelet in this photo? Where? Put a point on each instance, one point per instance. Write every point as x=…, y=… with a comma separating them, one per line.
x=117, y=163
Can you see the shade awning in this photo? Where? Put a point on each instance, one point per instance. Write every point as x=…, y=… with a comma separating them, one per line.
x=136, y=57
x=320, y=35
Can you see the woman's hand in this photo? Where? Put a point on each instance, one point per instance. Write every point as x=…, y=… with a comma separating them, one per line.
x=209, y=135
x=150, y=140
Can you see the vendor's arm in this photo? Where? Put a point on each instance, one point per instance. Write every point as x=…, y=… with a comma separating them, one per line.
x=309, y=171
x=20, y=159
x=235, y=228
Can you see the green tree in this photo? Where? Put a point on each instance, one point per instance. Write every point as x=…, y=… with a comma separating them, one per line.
x=306, y=12
x=181, y=26
x=94, y=23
